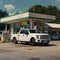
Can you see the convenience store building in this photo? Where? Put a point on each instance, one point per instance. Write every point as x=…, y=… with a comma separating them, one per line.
x=26, y=20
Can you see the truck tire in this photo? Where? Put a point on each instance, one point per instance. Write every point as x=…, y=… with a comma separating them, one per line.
x=32, y=41
x=15, y=40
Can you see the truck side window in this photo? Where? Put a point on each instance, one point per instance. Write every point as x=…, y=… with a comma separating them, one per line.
x=24, y=32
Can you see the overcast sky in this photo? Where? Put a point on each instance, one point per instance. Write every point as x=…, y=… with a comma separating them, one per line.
x=12, y=6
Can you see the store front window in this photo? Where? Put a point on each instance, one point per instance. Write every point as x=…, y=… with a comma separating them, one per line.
x=25, y=24
x=16, y=27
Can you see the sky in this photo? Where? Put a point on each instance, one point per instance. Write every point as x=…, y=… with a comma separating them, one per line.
x=12, y=6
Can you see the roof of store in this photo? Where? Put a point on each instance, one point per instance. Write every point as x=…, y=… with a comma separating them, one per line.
x=53, y=25
x=25, y=15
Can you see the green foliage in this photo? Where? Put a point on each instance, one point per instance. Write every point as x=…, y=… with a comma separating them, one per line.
x=16, y=13
x=3, y=14
x=50, y=10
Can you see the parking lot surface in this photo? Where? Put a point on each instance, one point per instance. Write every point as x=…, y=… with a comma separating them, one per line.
x=10, y=51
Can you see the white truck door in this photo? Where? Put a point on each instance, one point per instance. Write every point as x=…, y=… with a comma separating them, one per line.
x=26, y=36
x=22, y=35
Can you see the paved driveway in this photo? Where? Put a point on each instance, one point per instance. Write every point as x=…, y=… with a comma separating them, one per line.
x=10, y=51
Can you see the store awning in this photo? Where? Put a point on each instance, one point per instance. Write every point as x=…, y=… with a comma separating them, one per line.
x=53, y=25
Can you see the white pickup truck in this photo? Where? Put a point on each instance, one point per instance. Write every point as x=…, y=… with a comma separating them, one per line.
x=32, y=36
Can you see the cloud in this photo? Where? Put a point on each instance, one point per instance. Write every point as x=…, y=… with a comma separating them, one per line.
x=9, y=7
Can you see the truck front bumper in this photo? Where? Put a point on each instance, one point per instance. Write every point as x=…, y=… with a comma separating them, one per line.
x=43, y=41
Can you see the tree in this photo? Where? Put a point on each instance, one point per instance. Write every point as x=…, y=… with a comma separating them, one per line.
x=3, y=14
x=36, y=9
x=16, y=13
x=50, y=10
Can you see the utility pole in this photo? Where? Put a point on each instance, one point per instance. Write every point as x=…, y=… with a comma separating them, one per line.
x=33, y=6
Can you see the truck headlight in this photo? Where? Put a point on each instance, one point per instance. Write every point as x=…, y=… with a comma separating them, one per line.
x=37, y=36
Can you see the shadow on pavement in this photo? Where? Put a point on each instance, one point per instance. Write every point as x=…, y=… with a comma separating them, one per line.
x=55, y=40
x=34, y=58
x=41, y=45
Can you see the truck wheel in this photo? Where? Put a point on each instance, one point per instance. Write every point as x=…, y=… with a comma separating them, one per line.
x=15, y=41
x=32, y=41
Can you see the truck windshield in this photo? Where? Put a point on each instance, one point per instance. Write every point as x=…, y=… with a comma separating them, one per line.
x=34, y=31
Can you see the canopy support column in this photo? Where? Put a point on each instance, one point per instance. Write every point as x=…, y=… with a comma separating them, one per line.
x=31, y=23
x=5, y=27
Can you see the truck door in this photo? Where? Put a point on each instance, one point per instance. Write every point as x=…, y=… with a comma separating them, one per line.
x=26, y=36
x=23, y=36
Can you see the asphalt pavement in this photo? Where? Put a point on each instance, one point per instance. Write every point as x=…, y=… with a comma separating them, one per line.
x=10, y=51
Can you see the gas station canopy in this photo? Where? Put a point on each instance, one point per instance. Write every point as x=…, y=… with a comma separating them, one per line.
x=26, y=16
